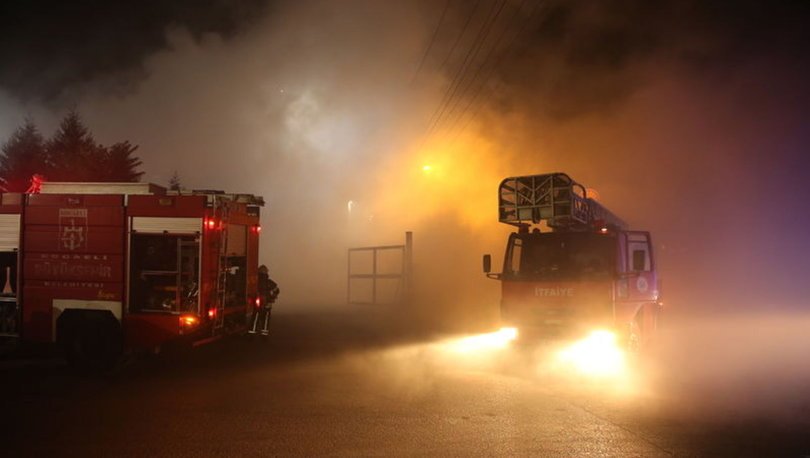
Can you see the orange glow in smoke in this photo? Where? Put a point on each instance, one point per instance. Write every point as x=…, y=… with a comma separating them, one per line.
x=452, y=178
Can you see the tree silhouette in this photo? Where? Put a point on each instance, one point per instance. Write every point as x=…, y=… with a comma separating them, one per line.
x=23, y=155
x=121, y=164
x=174, y=182
x=71, y=154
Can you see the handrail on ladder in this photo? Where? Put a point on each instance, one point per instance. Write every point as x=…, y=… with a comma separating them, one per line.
x=219, y=319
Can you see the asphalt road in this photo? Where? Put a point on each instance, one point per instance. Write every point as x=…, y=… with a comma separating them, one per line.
x=362, y=384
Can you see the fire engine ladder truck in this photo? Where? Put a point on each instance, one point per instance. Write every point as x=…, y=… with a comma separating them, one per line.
x=554, y=198
x=222, y=264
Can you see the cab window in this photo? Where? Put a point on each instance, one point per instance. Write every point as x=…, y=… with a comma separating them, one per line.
x=638, y=253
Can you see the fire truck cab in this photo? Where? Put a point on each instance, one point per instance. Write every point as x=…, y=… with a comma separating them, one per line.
x=572, y=266
x=106, y=268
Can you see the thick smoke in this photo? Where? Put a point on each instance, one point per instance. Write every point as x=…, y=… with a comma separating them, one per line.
x=688, y=117
x=742, y=367
x=49, y=47
x=585, y=56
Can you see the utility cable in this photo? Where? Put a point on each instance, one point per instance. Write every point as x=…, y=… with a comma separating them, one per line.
x=483, y=33
x=481, y=67
x=432, y=41
x=460, y=35
x=492, y=69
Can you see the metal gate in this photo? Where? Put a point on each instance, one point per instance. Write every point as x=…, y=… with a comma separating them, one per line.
x=381, y=284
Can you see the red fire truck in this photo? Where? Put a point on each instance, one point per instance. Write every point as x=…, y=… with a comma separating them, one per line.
x=106, y=268
x=572, y=266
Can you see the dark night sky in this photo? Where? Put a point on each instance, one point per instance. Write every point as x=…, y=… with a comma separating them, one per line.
x=691, y=117
x=594, y=47
x=50, y=45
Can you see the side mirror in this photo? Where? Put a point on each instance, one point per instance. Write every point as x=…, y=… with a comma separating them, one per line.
x=487, y=263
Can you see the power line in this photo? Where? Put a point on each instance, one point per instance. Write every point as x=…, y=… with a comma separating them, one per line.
x=482, y=36
x=432, y=40
x=463, y=31
x=429, y=129
x=476, y=46
x=483, y=65
x=498, y=63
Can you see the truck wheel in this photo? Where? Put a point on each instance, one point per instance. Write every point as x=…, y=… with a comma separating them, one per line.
x=94, y=343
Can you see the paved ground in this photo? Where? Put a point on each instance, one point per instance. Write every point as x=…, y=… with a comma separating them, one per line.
x=357, y=384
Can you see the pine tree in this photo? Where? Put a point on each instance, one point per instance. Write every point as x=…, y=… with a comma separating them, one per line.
x=74, y=155
x=23, y=155
x=174, y=182
x=72, y=152
x=121, y=164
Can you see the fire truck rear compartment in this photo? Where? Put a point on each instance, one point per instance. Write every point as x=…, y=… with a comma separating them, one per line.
x=164, y=273
x=100, y=268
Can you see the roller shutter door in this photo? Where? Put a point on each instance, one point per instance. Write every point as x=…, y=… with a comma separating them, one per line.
x=149, y=224
x=9, y=232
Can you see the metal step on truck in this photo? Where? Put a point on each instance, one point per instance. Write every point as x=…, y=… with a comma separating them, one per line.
x=103, y=269
x=572, y=267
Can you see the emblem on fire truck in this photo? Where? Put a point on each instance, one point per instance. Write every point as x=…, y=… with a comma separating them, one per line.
x=72, y=228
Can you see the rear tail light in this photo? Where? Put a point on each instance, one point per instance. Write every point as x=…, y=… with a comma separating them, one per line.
x=188, y=323
x=258, y=302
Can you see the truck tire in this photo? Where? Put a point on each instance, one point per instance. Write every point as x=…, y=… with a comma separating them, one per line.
x=93, y=342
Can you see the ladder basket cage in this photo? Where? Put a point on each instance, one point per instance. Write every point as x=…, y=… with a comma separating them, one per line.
x=554, y=198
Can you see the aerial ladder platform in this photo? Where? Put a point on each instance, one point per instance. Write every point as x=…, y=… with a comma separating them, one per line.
x=553, y=198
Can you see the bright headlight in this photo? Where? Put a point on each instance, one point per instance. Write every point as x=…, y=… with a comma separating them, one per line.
x=598, y=354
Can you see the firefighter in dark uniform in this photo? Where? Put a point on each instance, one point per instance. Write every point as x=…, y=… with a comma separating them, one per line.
x=268, y=292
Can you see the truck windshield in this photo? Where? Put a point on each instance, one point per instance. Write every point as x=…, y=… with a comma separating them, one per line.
x=561, y=256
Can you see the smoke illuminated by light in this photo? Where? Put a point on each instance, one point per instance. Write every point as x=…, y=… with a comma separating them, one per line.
x=455, y=179
x=482, y=342
x=598, y=354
